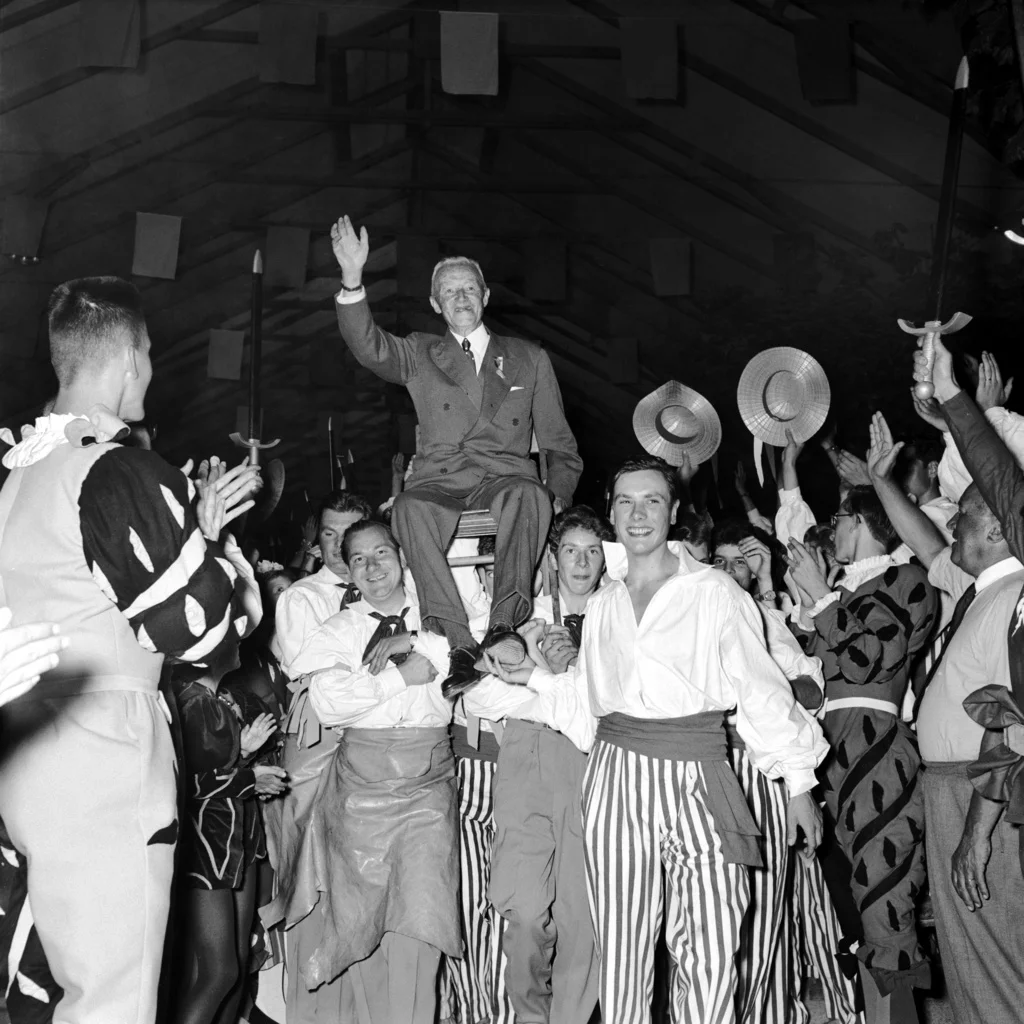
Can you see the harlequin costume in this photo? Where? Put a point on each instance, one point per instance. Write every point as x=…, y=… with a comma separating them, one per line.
x=103, y=540
x=869, y=633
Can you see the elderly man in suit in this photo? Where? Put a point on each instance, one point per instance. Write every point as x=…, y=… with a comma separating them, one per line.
x=479, y=399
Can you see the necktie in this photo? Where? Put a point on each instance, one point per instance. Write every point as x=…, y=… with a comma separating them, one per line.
x=349, y=594
x=954, y=624
x=389, y=626
x=574, y=623
x=468, y=349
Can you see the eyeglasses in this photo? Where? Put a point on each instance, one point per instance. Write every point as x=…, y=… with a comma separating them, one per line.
x=842, y=515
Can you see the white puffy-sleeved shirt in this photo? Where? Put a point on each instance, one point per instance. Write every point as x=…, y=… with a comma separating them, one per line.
x=493, y=700
x=301, y=610
x=343, y=692
x=785, y=649
x=794, y=516
x=699, y=647
x=953, y=476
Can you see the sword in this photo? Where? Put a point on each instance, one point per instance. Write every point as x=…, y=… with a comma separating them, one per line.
x=253, y=442
x=935, y=328
x=330, y=448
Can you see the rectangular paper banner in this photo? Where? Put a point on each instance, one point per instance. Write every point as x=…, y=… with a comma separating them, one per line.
x=156, y=245
x=287, y=257
x=224, y=359
x=671, y=265
x=650, y=58
x=288, y=34
x=24, y=219
x=109, y=33
x=469, y=53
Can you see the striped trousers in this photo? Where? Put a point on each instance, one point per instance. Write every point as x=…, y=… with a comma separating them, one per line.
x=763, y=965
x=473, y=988
x=816, y=939
x=652, y=852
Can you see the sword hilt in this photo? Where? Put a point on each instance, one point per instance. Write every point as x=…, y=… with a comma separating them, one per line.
x=926, y=335
x=254, y=445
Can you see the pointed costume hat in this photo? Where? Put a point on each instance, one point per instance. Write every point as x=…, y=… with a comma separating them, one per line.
x=675, y=421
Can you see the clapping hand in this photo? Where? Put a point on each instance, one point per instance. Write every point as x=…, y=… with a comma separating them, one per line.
x=991, y=390
x=350, y=250
x=271, y=781
x=883, y=452
x=26, y=652
x=852, y=470
x=809, y=572
x=224, y=494
x=257, y=732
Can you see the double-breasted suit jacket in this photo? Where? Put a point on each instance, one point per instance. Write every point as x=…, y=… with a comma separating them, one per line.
x=473, y=426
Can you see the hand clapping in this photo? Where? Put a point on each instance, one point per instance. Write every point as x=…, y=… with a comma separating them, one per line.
x=883, y=452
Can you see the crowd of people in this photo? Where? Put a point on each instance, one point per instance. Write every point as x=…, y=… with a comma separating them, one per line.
x=626, y=764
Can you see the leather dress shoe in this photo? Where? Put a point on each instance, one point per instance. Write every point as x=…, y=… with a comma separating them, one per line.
x=462, y=672
x=504, y=645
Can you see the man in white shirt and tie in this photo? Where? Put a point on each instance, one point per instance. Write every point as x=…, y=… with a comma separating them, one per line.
x=669, y=647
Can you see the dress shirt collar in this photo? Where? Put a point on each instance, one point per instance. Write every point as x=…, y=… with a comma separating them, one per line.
x=616, y=561
x=478, y=341
x=326, y=576
x=994, y=573
x=856, y=574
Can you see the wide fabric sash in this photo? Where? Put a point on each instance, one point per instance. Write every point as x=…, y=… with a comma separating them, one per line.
x=699, y=738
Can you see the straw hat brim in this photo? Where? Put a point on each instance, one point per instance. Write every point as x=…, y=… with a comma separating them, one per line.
x=703, y=436
x=808, y=377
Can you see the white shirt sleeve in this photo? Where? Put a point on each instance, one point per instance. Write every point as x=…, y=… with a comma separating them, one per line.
x=786, y=651
x=341, y=689
x=344, y=298
x=794, y=517
x=563, y=702
x=295, y=621
x=493, y=699
x=953, y=476
x=783, y=740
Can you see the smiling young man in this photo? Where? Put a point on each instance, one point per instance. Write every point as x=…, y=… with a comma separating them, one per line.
x=103, y=540
x=669, y=647
x=480, y=399
x=386, y=811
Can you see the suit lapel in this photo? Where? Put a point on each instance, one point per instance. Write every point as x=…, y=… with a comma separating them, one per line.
x=449, y=358
x=499, y=370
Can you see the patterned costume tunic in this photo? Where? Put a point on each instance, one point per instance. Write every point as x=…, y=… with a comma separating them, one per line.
x=223, y=834
x=868, y=642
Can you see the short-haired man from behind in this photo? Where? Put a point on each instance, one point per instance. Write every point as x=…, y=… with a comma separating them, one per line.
x=104, y=540
x=538, y=881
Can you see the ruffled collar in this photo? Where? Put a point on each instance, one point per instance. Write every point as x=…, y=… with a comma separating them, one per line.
x=50, y=432
x=856, y=574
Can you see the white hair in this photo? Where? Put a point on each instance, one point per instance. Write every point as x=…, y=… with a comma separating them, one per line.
x=450, y=263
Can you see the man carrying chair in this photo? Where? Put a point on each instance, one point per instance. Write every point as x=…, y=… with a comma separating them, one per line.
x=479, y=399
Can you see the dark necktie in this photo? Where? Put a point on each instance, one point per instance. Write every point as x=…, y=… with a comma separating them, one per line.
x=574, y=623
x=468, y=349
x=349, y=594
x=390, y=625
x=954, y=624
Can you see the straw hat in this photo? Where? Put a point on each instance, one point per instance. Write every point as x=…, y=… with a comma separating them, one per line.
x=675, y=421
x=783, y=389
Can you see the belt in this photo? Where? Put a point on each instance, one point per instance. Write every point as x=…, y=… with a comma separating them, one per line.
x=699, y=738
x=861, y=702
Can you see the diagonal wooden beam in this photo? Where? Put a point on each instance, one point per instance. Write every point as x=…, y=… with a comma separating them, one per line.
x=777, y=208
x=12, y=20
x=154, y=42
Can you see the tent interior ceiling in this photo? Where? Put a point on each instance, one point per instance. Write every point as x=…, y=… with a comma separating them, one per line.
x=737, y=162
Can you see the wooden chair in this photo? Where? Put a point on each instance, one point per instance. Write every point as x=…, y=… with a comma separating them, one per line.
x=474, y=522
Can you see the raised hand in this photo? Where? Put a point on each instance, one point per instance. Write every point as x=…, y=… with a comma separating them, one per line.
x=758, y=558
x=883, y=452
x=792, y=450
x=686, y=470
x=928, y=410
x=851, y=469
x=350, y=250
x=942, y=371
x=991, y=392
x=809, y=572
x=740, y=479
x=311, y=530
x=257, y=732
x=224, y=494
x=26, y=652
x=397, y=464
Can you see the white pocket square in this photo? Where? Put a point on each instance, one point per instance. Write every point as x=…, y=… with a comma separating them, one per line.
x=516, y=387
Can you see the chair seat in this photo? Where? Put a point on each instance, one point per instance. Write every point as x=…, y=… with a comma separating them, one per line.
x=476, y=522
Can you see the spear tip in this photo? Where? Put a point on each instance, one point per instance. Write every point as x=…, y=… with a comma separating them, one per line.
x=962, y=75
x=257, y=263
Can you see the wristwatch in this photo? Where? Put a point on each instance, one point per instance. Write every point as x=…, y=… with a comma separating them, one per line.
x=345, y=288
x=768, y=595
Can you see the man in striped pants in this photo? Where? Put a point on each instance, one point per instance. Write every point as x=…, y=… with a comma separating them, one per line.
x=669, y=646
